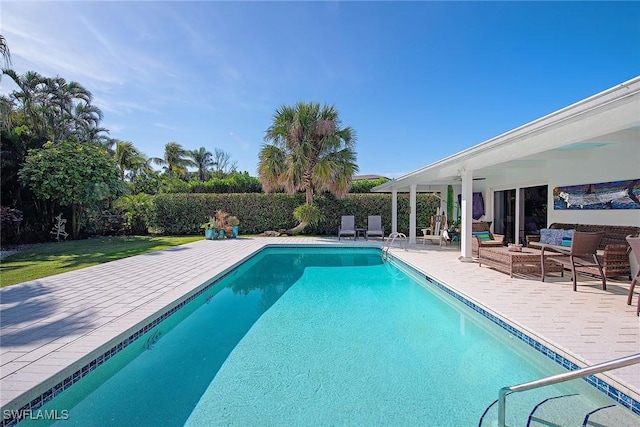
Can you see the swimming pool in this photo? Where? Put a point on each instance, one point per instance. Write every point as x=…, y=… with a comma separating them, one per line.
x=312, y=336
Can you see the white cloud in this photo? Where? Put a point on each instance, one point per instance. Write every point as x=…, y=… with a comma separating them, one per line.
x=165, y=126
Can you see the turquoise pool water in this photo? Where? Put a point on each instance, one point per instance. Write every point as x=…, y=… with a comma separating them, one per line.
x=314, y=337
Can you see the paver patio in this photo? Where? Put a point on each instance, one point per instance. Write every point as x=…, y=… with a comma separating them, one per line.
x=50, y=327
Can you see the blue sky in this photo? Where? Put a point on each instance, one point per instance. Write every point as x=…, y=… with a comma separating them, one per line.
x=418, y=81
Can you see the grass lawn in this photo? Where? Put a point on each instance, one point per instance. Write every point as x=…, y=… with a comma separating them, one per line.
x=48, y=259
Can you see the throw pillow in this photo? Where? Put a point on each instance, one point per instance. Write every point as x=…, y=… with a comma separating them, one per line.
x=567, y=237
x=482, y=235
x=551, y=237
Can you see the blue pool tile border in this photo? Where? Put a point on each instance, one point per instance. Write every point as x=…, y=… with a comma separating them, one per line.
x=615, y=394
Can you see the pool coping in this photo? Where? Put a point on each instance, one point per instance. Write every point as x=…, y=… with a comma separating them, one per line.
x=72, y=374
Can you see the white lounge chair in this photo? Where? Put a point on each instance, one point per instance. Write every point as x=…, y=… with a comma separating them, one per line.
x=374, y=227
x=347, y=226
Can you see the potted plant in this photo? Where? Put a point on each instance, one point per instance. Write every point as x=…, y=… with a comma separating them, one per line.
x=210, y=229
x=221, y=223
x=233, y=222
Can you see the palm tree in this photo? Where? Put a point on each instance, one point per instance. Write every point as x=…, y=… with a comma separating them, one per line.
x=307, y=149
x=202, y=160
x=57, y=109
x=128, y=158
x=176, y=159
x=5, y=54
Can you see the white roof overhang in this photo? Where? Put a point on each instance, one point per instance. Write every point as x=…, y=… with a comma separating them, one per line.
x=610, y=117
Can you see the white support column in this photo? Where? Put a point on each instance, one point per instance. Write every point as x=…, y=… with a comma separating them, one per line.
x=466, y=214
x=412, y=214
x=394, y=211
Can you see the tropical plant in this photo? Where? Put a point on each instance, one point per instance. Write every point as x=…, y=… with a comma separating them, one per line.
x=56, y=109
x=307, y=149
x=71, y=174
x=209, y=225
x=135, y=210
x=309, y=214
x=5, y=54
x=221, y=219
x=129, y=159
x=202, y=160
x=176, y=159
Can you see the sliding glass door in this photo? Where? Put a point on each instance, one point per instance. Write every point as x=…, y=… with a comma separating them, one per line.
x=504, y=214
x=533, y=214
x=529, y=217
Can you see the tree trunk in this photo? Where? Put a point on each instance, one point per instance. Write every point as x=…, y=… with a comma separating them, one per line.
x=297, y=229
x=76, y=211
x=307, y=183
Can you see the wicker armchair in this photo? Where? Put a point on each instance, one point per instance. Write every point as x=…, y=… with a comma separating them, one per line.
x=496, y=239
x=581, y=256
x=613, y=248
x=634, y=242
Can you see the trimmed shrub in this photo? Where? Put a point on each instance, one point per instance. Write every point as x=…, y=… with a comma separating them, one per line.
x=174, y=214
x=135, y=211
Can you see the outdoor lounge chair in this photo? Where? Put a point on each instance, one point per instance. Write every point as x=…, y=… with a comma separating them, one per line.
x=374, y=227
x=634, y=243
x=434, y=232
x=581, y=255
x=481, y=235
x=347, y=226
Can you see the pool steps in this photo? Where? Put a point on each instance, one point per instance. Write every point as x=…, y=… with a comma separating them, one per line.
x=575, y=410
x=560, y=411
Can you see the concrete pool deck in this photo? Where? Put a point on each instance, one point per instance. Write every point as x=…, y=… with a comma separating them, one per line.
x=51, y=327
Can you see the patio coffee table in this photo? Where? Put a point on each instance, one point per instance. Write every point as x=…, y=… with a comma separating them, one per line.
x=527, y=261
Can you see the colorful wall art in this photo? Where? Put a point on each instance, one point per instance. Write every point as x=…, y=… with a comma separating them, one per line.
x=604, y=195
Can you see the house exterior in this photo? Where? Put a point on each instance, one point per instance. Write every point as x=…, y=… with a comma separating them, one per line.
x=594, y=141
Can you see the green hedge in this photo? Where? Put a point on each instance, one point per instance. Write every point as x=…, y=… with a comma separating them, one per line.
x=179, y=214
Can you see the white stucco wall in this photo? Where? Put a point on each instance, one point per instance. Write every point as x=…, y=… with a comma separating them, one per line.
x=609, y=163
x=615, y=163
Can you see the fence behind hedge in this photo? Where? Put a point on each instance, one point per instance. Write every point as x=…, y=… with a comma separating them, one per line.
x=183, y=213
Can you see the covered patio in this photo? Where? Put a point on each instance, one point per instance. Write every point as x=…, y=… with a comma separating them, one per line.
x=594, y=140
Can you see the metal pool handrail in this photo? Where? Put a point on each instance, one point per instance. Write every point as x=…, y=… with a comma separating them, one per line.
x=579, y=373
x=387, y=243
